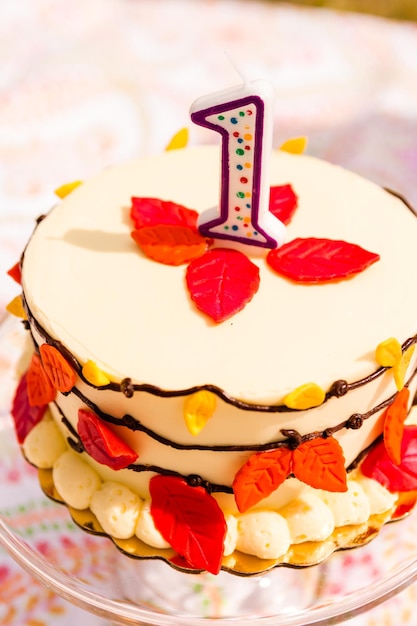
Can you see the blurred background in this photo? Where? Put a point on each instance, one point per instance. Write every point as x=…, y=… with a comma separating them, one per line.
x=89, y=83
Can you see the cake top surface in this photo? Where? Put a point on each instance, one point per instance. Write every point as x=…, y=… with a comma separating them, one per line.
x=91, y=287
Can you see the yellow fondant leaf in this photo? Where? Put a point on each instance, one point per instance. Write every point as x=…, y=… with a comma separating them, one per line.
x=305, y=397
x=179, y=140
x=95, y=375
x=400, y=369
x=66, y=189
x=198, y=408
x=295, y=145
x=389, y=353
x=15, y=307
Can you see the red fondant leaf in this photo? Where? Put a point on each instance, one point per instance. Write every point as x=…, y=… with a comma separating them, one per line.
x=57, y=368
x=314, y=260
x=24, y=415
x=320, y=463
x=15, y=273
x=402, y=477
x=395, y=416
x=172, y=245
x=262, y=474
x=283, y=202
x=190, y=519
x=39, y=387
x=222, y=282
x=101, y=443
x=154, y=212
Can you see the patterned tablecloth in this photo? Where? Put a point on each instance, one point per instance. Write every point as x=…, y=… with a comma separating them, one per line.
x=87, y=84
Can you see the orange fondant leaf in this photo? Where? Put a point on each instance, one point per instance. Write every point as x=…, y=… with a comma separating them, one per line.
x=262, y=474
x=320, y=463
x=15, y=273
x=57, y=368
x=39, y=387
x=395, y=416
x=172, y=245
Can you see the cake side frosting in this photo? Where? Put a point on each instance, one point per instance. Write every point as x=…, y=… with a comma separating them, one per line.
x=164, y=361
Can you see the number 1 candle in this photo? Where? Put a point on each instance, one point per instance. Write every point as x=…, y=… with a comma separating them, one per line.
x=243, y=116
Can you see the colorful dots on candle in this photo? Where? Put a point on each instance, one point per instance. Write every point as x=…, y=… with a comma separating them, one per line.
x=242, y=116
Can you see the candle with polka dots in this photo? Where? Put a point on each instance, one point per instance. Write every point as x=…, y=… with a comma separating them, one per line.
x=243, y=116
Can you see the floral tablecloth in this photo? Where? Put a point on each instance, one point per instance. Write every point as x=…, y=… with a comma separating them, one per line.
x=87, y=84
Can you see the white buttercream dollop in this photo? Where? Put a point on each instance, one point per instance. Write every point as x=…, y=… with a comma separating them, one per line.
x=145, y=528
x=308, y=518
x=117, y=509
x=75, y=481
x=230, y=540
x=380, y=499
x=348, y=507
x=264, y=534
x=44, y=444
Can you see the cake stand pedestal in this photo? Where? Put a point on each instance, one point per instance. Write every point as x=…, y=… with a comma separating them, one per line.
x=91, y=573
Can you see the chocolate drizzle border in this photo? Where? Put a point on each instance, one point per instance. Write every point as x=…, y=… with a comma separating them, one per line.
x=337, y=389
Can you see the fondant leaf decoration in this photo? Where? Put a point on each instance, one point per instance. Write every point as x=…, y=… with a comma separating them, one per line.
x=402, y=477
x=15, y=307
x=40, y=389
x=262, y=474
x=283, y=202
x=305, y=397
x=154, y=212
x=94, y=375
x=101, y=443
x=198, y=408
x=57, y=368
x=67, y=188
x=222, y=282
x=388, y=353
x=400, y=369
x=24, y=415
x=295, y=145
x=190, y=519
x=320, y=463
x=15, y=273
x=313, y=260
x=172, y=245
x=179, y=140
x=394, y=418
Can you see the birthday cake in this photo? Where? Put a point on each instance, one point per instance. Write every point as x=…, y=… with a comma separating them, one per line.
x=206, y=405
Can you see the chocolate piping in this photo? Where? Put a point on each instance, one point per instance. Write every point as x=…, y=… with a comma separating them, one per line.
x=337, y=389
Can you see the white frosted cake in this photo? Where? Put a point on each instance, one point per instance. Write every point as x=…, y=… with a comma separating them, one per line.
x=268, y=430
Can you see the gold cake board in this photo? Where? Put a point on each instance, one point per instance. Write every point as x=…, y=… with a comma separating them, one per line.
x=299, y=555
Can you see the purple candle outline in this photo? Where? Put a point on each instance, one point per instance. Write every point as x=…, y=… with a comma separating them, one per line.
x=200, y=118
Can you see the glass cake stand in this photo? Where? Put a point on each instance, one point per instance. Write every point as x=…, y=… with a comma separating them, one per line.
x=91, y=573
